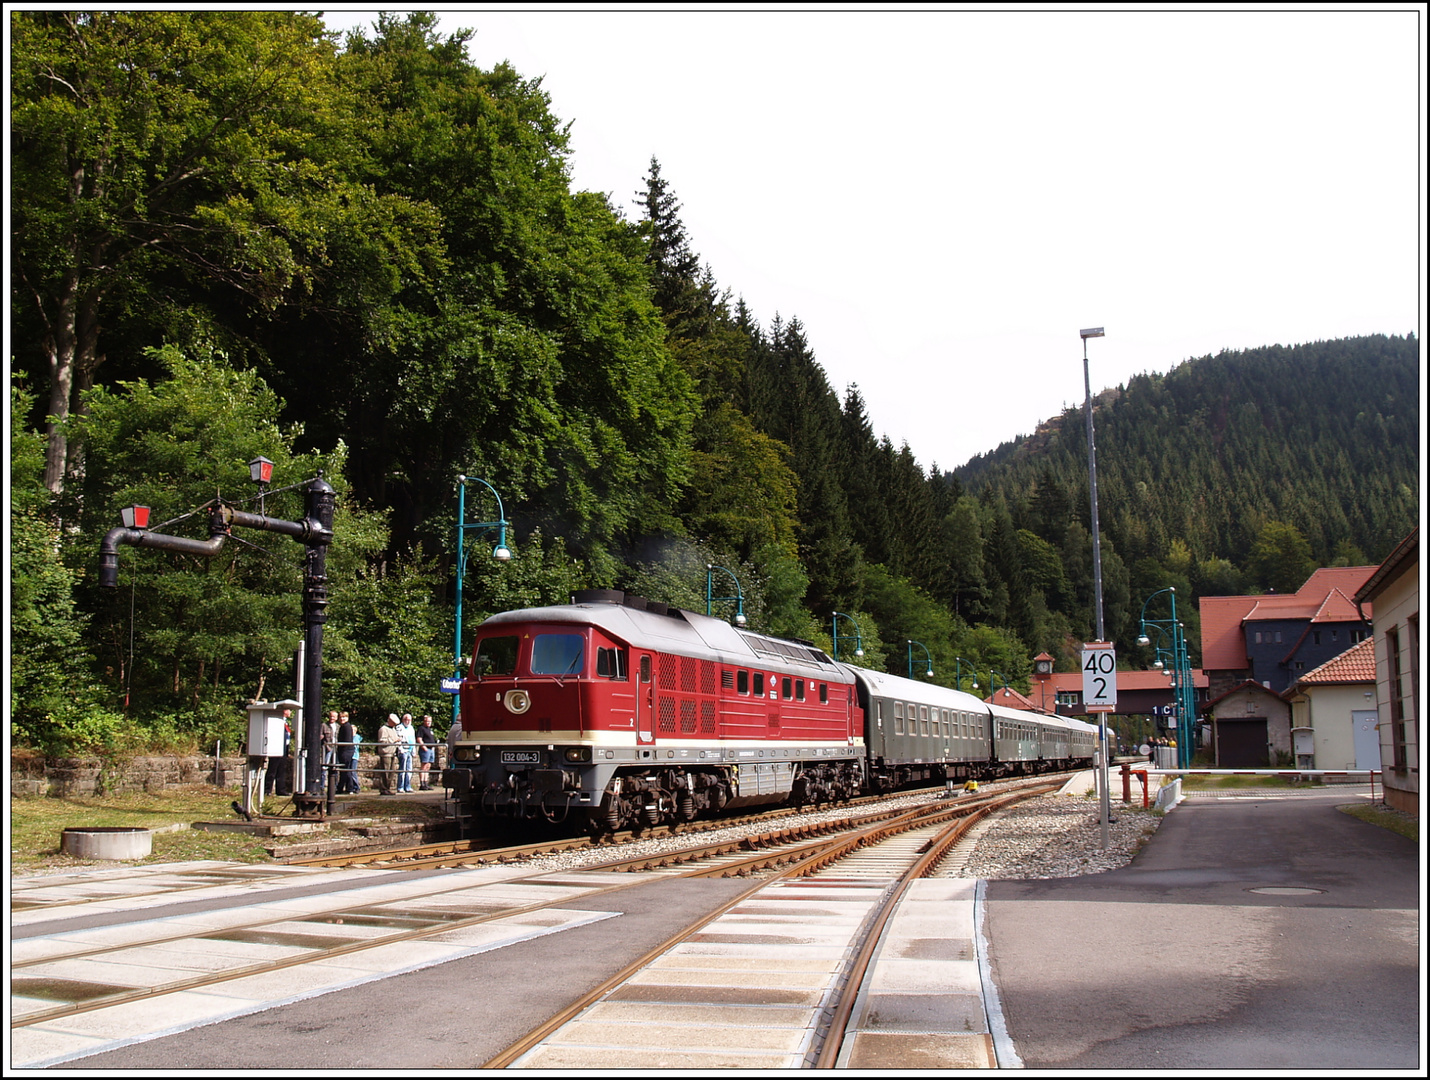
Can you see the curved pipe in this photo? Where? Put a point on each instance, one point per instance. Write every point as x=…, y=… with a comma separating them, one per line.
x=109, y=546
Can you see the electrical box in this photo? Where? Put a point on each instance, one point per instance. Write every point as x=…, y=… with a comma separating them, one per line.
x=265, y=727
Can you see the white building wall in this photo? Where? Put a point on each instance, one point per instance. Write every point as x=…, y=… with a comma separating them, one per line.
x=1398, y=607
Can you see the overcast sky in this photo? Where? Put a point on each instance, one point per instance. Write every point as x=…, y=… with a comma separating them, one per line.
x=945, y=198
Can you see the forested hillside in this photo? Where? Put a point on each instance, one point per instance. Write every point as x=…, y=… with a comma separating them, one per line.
x=233, y=236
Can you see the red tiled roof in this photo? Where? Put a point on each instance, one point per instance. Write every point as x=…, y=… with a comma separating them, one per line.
x=1011, y=699
x=1355, y=665
x=1325, y=597
x=1223, y=644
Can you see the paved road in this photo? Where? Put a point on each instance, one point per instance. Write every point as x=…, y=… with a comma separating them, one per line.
x=1178, y=962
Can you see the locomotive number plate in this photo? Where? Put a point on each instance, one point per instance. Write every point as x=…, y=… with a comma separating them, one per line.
x=520, y=757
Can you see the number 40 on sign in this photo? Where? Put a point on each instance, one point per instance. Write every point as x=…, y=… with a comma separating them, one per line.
x=1099, y=677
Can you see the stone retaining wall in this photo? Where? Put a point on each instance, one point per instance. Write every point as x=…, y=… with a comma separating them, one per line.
x=32, y=774
x=35, y=775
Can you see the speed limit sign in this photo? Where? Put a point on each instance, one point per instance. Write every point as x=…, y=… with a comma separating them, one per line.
x=1099, y=677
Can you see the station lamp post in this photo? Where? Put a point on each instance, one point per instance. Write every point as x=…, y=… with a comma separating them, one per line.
x=929, y=658
x=958, y=663
x=858, y=637
x=993, y=685
x=1184, y=694
x=500, y=553
x=739, y=596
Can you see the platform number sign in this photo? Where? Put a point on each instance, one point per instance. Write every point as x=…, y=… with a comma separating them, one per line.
x=1099, y=677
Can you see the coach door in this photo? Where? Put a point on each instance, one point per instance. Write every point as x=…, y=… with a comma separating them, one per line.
x=645, y=697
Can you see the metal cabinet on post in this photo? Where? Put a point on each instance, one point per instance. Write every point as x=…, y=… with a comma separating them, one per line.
x=266, y=740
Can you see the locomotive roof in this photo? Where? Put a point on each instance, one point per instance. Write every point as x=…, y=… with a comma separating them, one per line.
x=674, y=630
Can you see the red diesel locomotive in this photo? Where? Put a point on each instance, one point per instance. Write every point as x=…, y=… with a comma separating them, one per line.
x=615, y=712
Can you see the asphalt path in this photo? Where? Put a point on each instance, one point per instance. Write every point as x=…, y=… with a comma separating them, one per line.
x=1179, y=961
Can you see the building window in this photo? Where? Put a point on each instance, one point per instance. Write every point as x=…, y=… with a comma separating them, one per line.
x=1397, y=702
x=1315, y=637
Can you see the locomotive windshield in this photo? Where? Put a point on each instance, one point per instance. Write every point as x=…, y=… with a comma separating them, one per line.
x=495, y=656
x=557, y=654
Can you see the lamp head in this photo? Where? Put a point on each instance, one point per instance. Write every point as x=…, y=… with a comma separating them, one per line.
x=501, y=554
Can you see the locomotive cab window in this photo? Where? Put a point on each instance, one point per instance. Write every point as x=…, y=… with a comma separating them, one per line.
x=557, y=654
x=787, y=688
x=759, y=684
x=742, y=682
x=495, y=656
x=645, y=669
x=824, y=693
x=799, y=689
x=611, y=664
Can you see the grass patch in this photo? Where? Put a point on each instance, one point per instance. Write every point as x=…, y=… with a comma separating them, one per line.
x=1386, y=818
x=37, y=823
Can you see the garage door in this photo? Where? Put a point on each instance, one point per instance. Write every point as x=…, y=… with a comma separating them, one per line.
x=1241, y=744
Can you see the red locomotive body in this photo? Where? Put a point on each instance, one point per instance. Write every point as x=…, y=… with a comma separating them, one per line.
x=627, y=713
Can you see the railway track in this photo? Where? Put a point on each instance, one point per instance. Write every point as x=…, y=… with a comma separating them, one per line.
x=485, y=851
x=622, y=1024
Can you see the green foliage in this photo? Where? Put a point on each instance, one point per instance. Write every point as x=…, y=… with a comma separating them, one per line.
x=54, y=696
x=1280, y=560
x=369, y=260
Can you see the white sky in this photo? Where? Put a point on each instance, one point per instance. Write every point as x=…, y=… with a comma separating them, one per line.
x=946, y=197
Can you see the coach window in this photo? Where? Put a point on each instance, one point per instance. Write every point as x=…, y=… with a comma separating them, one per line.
x=898, y=718
x=787, y=688
x=742, y=682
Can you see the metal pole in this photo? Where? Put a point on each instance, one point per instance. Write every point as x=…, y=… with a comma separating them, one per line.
x=1096, y=563
x=461, y=567
x=319, y=521
x=1092, y=484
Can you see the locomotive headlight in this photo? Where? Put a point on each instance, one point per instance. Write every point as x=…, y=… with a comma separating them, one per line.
x=468, y=753
x=578, y=753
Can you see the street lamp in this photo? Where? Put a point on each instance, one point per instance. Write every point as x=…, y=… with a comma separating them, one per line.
x=924, y=647
x=500, y=553
x=993, y=686
x=739, y=596
x=858, y=637
x=958, y=663
x=1184, y=694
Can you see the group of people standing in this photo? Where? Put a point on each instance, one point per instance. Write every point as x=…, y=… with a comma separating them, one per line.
x=402, y=749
